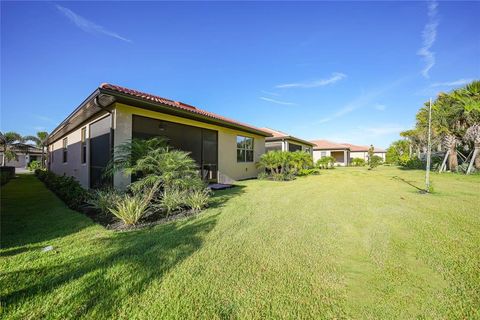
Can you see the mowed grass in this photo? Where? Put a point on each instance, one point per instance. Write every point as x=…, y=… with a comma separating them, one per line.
x=349, y=243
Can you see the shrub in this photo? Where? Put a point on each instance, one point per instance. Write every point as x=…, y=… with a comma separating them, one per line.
x=198, y=199
x=374, y=161
x=130, y=208
x=358, y=162
x=263, y=176
x=6, y=173
x=34, y=165
x=66, y=188
x=414, y=163
x=286, y=176
x=172, y=200
x=306, y=172
x=103, y=200
x=325, y=162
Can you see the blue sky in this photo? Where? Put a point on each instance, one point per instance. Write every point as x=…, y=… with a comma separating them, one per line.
x=345, y=71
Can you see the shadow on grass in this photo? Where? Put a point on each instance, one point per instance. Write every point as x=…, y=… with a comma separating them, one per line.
x=122, y=266
x=421, y=190
x=221, y=197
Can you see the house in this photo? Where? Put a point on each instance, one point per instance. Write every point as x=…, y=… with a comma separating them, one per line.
x=82, y=145
x=285, y=142
x=325, y=148
x=361, y=152
x=26, y=153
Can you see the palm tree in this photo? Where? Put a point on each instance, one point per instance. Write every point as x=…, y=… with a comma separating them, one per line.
x=7, y=143
x=41, y=141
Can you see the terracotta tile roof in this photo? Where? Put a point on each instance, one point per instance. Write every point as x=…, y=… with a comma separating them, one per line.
x=275, y=133
x=325, y=144
x=177, y=105
x=356, y=148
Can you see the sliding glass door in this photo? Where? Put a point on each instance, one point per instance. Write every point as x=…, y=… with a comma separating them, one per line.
x=201, y=143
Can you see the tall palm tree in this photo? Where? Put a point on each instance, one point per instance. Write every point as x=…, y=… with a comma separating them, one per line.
x=473, y=136
x=7, y=144
x=41, y=140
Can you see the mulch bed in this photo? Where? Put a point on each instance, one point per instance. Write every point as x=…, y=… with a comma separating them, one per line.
x=113, y=223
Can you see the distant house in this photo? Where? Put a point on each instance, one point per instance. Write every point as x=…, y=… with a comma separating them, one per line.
x=361, y=152
x=285, y=142
x=343, y=153
x=325, y=148
x=26, y=153
x=82, y=145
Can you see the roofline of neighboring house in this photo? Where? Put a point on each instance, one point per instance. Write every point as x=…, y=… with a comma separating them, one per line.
x=335, y=149
x=269, y=139
x=91, y=104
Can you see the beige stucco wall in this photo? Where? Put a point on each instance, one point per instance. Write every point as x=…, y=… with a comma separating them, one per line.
x=73, y=167
x=364, y=155
x=229, y=169
x=317, y=154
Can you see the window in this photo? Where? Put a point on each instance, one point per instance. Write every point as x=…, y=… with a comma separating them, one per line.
x=307, y=150
x=83, y=151
x=51, y=154
x=64, y=149
x=292, y=147
x=323, y=154
x=244, y=149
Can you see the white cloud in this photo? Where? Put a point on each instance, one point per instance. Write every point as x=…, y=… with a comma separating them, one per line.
x=429, y=35
x=278, y=101
x=270, y=93
x=88, y=26
x=336, y=76
x=380, y=107
x=45, y=119
x=455, y=83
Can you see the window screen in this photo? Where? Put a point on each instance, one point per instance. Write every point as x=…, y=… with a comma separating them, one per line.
x=65, y=149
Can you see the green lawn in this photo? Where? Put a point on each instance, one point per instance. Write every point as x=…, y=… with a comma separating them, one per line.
x=349, y=243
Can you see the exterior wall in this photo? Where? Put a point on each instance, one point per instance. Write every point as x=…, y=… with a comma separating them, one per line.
x=345, y=154
x=283, y=145
x=364, y=155
x=73, y=167
x=22, y=159
x=229, y=169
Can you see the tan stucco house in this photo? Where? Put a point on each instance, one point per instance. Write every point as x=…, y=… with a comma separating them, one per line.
x=81, y=146
x=361, y=152
x=26, y=153
x=325, y=148
x=284, y=142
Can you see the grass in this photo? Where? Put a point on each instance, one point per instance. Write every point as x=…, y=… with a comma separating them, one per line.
x=349, y=243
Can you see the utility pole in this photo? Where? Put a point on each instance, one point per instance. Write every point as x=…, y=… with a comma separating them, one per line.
x=429, y=147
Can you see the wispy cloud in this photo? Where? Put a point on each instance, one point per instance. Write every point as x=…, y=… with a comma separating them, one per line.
x=88, y=26
x=361, y=101
x=278, y=101
x=429, y=35
x=380, y=107
x=459, y=82
x=336, y=76
x=44, y=118
x=366, y=135
x=270, y=93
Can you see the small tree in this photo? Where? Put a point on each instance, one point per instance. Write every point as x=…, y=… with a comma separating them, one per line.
x=374, y=161
x=7, y=143
x=41, y=141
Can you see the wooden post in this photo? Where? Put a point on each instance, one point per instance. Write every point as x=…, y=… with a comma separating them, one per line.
x=444, y=163
x=472, y=161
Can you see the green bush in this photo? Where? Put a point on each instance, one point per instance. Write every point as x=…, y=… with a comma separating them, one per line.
x=358, y=162
x=374, y=161
x=263, y=176
x=198, y=199
x=104, y=200
x=173, y=200
x=325, y=162
x=413, y=163
x=283, y=165
x=66, y=188
x=34, y=165
x=130, y=208
x=307, y=172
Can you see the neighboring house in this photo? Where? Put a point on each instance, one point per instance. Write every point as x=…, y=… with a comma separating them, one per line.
x=285, y=142
x=325, y=148
x=26, y=153
x=361, y=152
x=82, y=145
